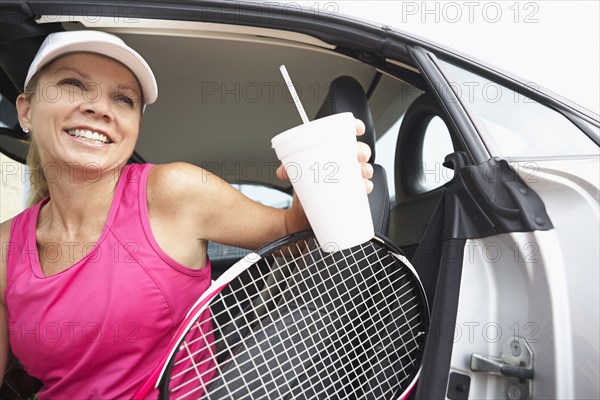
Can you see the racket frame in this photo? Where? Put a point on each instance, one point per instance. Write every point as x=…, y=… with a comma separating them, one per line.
x=154, y=379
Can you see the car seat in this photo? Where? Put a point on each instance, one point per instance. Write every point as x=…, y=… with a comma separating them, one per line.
x=347, y=95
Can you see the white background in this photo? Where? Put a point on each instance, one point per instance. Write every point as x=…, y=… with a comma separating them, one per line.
x=554, y=44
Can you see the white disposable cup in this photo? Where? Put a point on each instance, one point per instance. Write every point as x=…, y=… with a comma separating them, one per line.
x=320, y=158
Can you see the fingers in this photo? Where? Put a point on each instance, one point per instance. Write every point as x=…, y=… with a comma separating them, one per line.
x=281, y=173
x=360, y=127
x=367, y=170
x=364, y=152
x=367, y=174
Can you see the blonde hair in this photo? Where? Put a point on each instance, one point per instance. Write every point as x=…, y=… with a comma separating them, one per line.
x=38, y=184
x=38, y=189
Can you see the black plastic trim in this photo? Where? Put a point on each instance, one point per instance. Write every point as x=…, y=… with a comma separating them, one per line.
x=490, y=198
x=374, y=84
x=439, y=341
x=481, y=200
x=428, y=254
x=458, y=386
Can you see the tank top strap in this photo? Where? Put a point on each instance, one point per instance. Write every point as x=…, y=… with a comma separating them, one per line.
x=134, y=186
x=126, y=223
x=133, y=222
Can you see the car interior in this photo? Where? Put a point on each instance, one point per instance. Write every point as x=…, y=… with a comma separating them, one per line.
x=221, y=100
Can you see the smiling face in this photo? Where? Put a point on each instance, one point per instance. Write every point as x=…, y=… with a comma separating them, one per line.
x=85, y=112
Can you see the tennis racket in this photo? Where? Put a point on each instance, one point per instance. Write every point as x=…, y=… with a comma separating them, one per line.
x=293, y=322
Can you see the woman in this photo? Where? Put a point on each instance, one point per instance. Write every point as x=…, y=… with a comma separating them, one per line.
x=97, y=274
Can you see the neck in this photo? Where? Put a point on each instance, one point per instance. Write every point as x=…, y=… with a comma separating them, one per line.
x=80, y=198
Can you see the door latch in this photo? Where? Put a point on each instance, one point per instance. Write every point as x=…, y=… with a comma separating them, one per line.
x=515, y=364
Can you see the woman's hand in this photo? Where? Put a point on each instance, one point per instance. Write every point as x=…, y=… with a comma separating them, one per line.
x=364, y=153
x=295, y=219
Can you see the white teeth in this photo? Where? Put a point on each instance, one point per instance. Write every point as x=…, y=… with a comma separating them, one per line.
x=84, y=133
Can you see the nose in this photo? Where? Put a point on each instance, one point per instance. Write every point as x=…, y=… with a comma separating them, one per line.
x=97, y=103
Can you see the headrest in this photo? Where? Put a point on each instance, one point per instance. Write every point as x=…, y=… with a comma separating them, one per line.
x=347, y=95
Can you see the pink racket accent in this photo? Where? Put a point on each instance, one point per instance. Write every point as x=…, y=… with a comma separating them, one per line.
x=153, y=379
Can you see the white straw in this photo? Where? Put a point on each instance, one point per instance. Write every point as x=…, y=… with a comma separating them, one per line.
x=295, y=97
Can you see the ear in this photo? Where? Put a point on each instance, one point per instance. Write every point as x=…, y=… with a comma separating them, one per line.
x=24, y=111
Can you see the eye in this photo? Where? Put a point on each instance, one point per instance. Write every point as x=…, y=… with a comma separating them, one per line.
x=126, y=100
x=72, y=82
x=125, y=94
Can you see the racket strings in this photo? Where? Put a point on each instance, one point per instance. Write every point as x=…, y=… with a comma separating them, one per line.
x=345, y=310
x=322, y=326
x=350, y=332
x=240, y=366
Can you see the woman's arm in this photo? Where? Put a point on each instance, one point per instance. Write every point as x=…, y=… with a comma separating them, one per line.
x=189, y=206
x=197, y=205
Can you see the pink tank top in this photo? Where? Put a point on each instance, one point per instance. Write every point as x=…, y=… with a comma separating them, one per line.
x=98, y=328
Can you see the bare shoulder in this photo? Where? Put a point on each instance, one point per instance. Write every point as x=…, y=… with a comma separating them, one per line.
x=177, y=184
x=201, y=205
x=4, y=241
x=176, y=175
x=169, y=185
x=182, y=195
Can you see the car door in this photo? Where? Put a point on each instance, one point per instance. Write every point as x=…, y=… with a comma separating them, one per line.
x=520, y=231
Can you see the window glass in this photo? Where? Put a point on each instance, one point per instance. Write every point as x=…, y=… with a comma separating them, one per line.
x=13, y=182
x=437, y=144
x=13, y=193
x=385, y=152
x=514, y=125
x=265, y=195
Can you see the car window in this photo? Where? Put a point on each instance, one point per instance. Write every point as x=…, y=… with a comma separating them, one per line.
x=265, y=195
x=385, y=150
x=514, y=125
x=13, y=187
x=13, y=182
x=437, y=144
